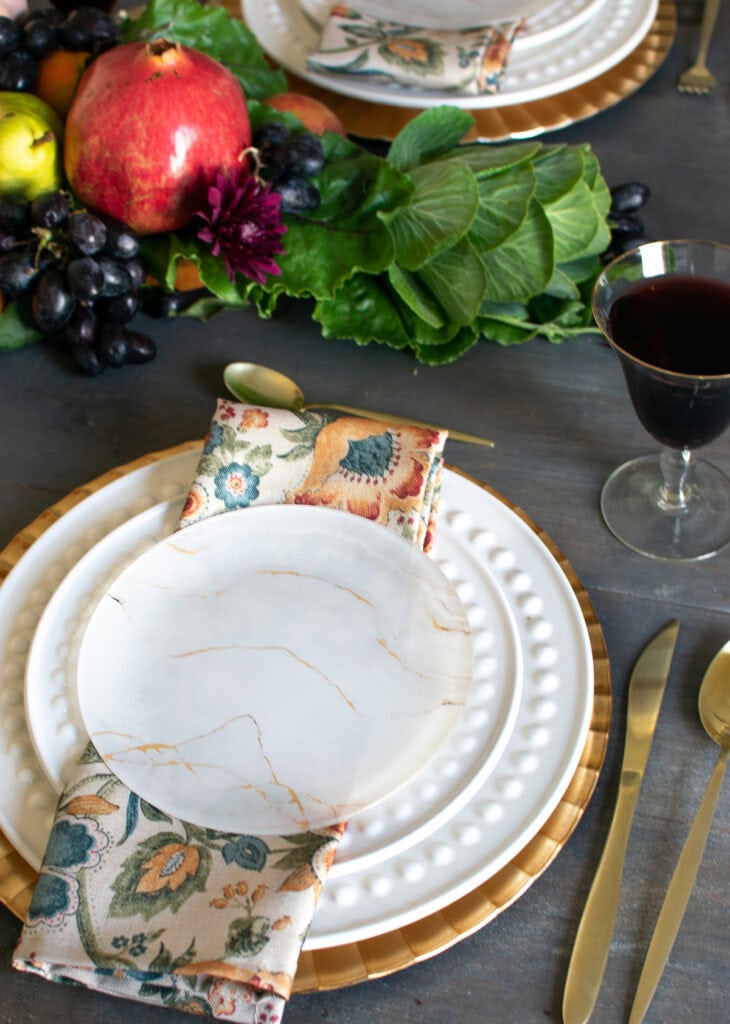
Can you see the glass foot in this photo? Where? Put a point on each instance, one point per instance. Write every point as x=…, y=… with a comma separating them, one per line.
x=632, y=507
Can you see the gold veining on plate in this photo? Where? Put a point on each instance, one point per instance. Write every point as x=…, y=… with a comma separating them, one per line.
x=338, y=966
x=370, y=120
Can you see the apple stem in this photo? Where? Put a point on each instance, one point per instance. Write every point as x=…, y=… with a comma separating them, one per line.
x=253, y=152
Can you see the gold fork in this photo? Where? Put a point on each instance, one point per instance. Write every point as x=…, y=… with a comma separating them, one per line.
x=698, y=79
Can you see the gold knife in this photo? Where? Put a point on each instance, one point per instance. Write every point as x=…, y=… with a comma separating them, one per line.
x=592, y=942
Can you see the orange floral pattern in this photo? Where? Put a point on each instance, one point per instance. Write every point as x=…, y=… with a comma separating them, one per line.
x=469, y=61
x=170, y=867
x=368, y=468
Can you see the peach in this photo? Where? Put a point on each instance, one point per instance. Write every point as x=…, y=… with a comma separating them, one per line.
x=316, y=116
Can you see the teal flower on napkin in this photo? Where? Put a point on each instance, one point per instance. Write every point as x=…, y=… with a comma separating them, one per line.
x=236, y=485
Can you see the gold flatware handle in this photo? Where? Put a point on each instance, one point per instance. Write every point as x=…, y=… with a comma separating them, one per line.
x=593, y=939
x=678, y=893
x=454, y=435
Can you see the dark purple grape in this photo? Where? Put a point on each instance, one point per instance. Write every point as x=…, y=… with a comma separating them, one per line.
x=8, y=243
x=626, y=226
x=18, y=72
x=629, y=196
x=52, y=302
x=117, y=279
x=14, y=215
x=85, y=278
x=136, y=271
x=113, y=345
x=85, y=26
x=50, y=210
x=121, y=241
x=87, y=359
x=302, y=155
x=161, y=305
x=81, y=328
x=273, y=133
x=18, y=270
x=140, y=347
x=9, y=36
x=298, y=195
x=39, y=36
x=86, y=232
x=117, y=310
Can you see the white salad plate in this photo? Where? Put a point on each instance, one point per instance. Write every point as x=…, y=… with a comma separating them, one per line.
x=456, y=14
x=555, y=63
x=478, y=536
x=274, y=669
x=440, y=789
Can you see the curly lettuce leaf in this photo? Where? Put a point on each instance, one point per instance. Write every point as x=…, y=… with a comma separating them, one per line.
x=430, y=134
x=16, y=326
x=524, y=264
x=212, y=31
x=444, y=204
x=363, y=310
x=503, y=203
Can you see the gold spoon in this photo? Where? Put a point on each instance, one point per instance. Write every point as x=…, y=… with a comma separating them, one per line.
x=714, y=706
x=260, y=385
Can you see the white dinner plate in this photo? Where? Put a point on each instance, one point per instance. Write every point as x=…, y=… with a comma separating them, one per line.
x=613, y=29
x=456, y=14
x=475, y=529
x=440, y=789
x=274, y=669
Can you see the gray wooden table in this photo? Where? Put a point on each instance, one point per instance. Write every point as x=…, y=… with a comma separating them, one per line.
x=562, y=422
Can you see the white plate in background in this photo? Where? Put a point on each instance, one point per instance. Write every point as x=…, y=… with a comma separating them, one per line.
x=613, y=30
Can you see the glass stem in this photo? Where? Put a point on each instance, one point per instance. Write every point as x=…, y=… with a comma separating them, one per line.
x=675, y=492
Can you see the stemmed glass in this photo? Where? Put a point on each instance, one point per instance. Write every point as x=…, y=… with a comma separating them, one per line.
x=665, y=310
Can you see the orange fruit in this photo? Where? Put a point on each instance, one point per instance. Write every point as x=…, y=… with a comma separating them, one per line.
x=58, y=75
x=187, y=276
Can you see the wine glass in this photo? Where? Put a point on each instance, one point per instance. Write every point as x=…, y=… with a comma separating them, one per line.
x=664, y=308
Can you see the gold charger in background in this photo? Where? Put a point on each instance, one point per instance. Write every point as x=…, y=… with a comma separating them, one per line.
x=370, y=120
x=337, y=966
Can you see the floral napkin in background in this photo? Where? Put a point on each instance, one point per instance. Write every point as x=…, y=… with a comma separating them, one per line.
x=136, y=903
x=470, y=61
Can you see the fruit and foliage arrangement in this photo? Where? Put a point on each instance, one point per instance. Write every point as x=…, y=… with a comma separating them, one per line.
x=169, y=169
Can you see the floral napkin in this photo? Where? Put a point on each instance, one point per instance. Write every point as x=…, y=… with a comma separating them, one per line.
x=136, y=903
x=469, y=61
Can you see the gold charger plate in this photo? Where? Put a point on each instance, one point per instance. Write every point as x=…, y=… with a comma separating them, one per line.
x=348, y=964
x=522, y=120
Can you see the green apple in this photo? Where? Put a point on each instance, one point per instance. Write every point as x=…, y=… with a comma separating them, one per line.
x=31, y=135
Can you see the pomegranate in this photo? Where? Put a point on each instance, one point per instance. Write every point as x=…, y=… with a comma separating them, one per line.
x=149, y=127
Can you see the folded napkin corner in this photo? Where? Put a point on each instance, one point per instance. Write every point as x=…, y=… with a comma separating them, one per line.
x=470, y=61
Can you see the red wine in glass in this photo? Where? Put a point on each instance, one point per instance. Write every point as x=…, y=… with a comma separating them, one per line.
x=680, y=324
x=664, y=308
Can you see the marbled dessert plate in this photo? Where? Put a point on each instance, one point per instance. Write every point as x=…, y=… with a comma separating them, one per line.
x=274, y=669
x=413, y=812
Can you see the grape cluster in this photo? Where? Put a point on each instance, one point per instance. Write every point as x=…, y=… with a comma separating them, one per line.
x=627, y=229
x=26, y=39
x=81, y=276
x=288, y=160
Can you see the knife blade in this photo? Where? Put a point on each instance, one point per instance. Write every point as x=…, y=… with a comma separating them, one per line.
x=593, y=939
